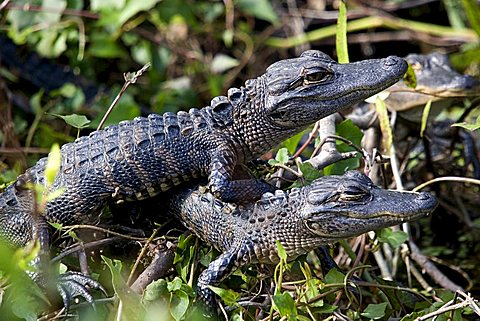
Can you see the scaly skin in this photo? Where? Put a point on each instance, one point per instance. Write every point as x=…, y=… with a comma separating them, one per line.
x=139, y=159
x=302, y=219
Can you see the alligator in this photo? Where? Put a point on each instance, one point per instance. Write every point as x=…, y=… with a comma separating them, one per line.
x=436, y=81
x=139, y=159
x=301, y=219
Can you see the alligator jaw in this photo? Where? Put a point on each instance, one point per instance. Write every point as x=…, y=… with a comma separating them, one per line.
x=294, y=101
x=357, y=206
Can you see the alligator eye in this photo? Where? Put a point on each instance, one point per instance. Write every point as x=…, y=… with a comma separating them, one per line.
x=315, y=77
x=278, y=115
x=352, y=194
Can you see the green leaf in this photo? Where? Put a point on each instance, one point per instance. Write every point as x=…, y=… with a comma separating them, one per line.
x=334, y=277
x=281, y=251
x=292, y=143
x=375, y=311
x=472, y=10
x=179, y=302
x=155, y=290
x=470, y=127
x=309, y=172
x=426, y=112
x=409, y=78
x=228, y=296
x=133, y=309
x=102, y=46
x=36, y=102
x=53, y=164
x=174, y=285
x=394, y=239
x=56, y=193
x=221, y=63
x=261, y=9
x=51, y=16
x=341, y=33
x=282, y=156
x=74, y=120
x=285, y=305
x=52, y=43
x=68, y=90
x=97, y=5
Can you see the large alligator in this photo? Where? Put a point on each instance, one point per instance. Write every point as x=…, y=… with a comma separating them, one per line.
x=302, y=219
x=139, y=159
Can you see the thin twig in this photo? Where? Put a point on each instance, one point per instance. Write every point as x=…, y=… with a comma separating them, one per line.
x=130, y=78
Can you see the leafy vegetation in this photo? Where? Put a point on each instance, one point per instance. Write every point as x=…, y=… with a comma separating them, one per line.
x=62, y=63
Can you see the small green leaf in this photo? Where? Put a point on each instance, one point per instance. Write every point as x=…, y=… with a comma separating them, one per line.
x=221, y=63
x=309, y=172
x=395, y=239
x=228, y=296
x=282, y=156
x=56, y=193
x=261, y=9
x=179, y=302
x=470, y=127
x=53, y=164
x=133, y=309
x=285, y=305
x=174, y=285
x=68, y=90
x=426, y=112
x=375, y=311
x=292, y=143
x=409, y=78
x=74, y=120
x=155, y=290
x=281, y=251
x=334, y=277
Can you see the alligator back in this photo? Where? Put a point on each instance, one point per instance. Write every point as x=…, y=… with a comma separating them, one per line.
x=133, y=160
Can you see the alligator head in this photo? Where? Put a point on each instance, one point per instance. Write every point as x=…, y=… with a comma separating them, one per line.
x=295, y=93
x=436, y=81
x=344, y=206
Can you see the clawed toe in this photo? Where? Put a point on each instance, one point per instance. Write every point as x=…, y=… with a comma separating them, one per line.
x=74, y=284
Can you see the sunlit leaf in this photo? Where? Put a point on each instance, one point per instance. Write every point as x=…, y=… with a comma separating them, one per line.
x=285, y=305
x=74, y=120
x=228, y=296
x=53, y=164
x=222, y=63
x=394, y=238
x=179, y=302
x=262, y=9
x=375, y=311
x=409, y=78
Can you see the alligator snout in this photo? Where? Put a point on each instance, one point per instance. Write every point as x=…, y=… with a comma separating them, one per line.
x=394, y=62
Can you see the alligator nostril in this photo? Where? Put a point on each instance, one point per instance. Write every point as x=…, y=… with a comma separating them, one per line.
x=424, y=196
x=392, y=60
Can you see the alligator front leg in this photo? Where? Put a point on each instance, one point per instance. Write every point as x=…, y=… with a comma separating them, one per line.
x=225, y=188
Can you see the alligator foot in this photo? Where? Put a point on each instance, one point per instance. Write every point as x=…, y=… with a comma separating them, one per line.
x=74, y=284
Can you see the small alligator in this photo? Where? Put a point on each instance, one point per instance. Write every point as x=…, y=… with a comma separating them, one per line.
x=436, y=81
x=302, y=219
x=138, y=159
